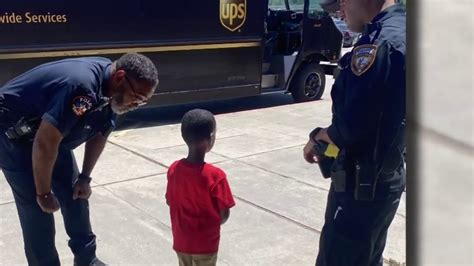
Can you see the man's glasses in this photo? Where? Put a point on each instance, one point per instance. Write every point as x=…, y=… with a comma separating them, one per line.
x=135, y=95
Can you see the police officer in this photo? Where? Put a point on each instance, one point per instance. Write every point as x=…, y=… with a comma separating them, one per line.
x=368, y=174
x=44, y=114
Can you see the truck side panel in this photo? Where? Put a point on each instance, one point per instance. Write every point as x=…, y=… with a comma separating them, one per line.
x=197, y=47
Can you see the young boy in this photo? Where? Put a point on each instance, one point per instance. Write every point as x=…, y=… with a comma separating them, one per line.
x=198, y=194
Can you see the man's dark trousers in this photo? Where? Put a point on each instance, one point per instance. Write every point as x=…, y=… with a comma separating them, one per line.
x=355, y=232
x=38, y=226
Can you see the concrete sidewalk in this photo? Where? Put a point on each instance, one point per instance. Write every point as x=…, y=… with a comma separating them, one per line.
x=280, y=199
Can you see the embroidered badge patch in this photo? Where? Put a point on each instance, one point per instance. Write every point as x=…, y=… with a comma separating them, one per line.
x=362, y=58
x=81, y=104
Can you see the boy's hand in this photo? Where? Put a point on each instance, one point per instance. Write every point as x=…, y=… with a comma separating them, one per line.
x=225, y=216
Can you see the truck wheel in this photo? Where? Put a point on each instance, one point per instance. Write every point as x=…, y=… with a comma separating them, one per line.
x=308, y=84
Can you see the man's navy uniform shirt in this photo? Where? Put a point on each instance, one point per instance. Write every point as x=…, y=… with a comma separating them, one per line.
x=64, y=93
x=369, y=93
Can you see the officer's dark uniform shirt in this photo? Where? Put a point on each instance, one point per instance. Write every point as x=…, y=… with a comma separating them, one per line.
x=370, y=89
x=64, y=93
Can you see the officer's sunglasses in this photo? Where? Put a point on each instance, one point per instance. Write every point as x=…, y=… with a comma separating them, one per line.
x=135, y=95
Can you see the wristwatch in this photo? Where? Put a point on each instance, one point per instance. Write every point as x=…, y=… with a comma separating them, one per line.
x=45, y=195
x=84, y=178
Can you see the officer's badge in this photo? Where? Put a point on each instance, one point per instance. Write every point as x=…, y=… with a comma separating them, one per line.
x=362, y=58
x=81, y=104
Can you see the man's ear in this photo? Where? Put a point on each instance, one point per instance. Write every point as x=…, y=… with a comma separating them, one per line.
x=116, y=79
x=119, y=75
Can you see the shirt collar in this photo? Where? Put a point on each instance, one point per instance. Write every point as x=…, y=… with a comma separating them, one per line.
x=377, y=21
x=105, y=79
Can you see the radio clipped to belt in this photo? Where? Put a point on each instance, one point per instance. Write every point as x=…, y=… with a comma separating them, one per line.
x=23, y=129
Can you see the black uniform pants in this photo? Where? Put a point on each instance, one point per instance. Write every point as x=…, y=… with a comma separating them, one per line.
x=355, y=232
x=37, y=226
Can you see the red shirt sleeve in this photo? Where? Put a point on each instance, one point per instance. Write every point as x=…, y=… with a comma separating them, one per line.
x=168, y=185
x=223, y=195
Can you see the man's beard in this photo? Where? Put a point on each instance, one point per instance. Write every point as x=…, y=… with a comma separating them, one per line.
x=117, y=106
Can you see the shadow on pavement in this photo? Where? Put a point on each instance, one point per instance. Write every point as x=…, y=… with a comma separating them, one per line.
x=156, y=116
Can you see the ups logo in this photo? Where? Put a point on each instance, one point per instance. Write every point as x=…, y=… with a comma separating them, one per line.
x=233, y=13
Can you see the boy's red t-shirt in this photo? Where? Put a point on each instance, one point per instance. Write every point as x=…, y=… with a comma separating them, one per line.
x=196, y=193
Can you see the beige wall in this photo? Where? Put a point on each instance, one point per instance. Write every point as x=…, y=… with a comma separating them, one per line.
x=446, y=139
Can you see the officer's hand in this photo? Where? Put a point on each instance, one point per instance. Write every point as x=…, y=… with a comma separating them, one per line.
x=82, y=190
x=309, y=153
x=48, y=202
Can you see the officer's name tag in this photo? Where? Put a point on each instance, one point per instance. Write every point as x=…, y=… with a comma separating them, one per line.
x=362, y=58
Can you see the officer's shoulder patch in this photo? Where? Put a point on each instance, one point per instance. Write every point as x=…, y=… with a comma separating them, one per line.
x=80, y=104
x=363, y=57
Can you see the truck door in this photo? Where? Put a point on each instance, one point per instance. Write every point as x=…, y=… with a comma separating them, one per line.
x=320, y=34
x=321, y=39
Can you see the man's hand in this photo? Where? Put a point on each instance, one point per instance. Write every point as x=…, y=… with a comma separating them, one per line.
x=308, y=152
x=82, y=190
x=48, y=202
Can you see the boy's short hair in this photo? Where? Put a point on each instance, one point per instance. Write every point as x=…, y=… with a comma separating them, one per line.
x=197, y=125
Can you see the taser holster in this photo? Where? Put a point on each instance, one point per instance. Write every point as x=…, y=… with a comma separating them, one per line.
x=331, y=164
x=338, y=173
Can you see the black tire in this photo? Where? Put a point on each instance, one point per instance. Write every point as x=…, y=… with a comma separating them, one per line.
x=308, y=84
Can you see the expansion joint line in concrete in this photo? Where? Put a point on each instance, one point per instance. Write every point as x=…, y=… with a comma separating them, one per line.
x=136, y=207
x=278, y=215
x=137, y=153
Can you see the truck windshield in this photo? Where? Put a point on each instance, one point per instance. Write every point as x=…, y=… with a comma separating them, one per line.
x=297, y=5
x=277, y=4
x=314, y=8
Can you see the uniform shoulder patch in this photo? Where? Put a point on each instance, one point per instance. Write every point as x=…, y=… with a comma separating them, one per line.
x=363, y=57
x=81, y=104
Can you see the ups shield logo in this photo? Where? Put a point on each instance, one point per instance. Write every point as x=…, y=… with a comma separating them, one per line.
x=233, y=13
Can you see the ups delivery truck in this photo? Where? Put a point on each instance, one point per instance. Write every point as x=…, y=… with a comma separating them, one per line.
x=204, y=50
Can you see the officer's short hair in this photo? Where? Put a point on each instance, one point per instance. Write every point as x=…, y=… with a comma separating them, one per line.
x=197, y=125
x=139, y=67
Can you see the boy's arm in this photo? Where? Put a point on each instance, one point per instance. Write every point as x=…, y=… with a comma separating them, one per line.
x=168, y=174
x=223, y=196
x=225, y=216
